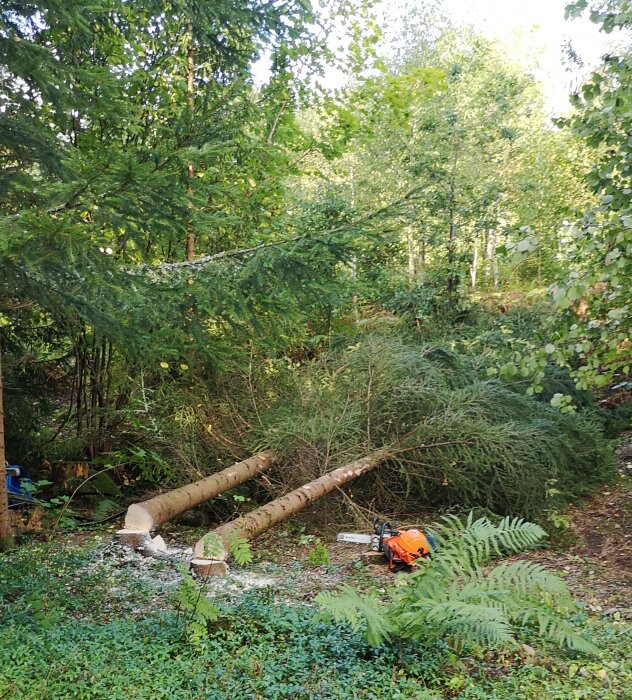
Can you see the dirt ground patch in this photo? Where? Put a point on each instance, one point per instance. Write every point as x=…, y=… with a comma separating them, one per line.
x=597, y=561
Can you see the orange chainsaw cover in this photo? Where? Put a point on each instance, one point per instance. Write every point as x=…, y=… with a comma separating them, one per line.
x=407, y=546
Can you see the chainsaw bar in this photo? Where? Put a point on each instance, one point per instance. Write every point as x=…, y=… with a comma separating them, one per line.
x=359, y=538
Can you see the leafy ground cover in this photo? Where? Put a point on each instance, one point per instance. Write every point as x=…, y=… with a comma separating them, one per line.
x=86, y=619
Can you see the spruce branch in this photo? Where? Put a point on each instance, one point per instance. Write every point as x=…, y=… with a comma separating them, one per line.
x=241, y=252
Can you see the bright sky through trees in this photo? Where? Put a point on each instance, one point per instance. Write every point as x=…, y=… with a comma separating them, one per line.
x=535, y=33
x=537, y=30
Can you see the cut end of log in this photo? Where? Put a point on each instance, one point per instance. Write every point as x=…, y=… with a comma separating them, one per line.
x=208, y=567
x=134, y=538
x=138, y=518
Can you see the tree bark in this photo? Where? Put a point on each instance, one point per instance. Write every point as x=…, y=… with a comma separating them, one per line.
x=354, y=279
x=474, y=264
x=491, y=254
x=190, y=242
x=411, y=256
x=261, y=519
x=5, y=516
x=144, y=517
x=452, y=276
x=421, y=260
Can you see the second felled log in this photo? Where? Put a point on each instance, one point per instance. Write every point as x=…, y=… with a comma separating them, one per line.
x=280, y=509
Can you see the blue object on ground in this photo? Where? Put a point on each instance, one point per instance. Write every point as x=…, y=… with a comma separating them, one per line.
x=19, y=484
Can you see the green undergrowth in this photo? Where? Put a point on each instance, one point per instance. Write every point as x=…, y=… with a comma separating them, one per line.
x=265, y=645
x=457, y=438
x=456, y=596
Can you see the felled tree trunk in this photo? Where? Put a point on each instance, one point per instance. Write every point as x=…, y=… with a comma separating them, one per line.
x=276, y=511
x=144, y=517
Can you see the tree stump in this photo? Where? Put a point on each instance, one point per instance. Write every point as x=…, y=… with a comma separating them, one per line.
x=134, y=538
x=202, y=568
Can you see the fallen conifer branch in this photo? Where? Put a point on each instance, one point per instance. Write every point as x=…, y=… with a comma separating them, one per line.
x=190, y=265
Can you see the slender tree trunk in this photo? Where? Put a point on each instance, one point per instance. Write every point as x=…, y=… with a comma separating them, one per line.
x=276, y=511
x=354, y=257
x=452, y=278
x=6, y=536
x=491, y=268
x=190, y=243
x=493, y=262
x=421, y=260
x=474, y=264
x=354, y=279
x=144, y=517
x=410, y=240
x=488, y=251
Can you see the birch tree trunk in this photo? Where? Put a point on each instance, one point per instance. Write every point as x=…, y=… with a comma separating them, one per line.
x=5, y=516
x=144, y=517
x=492, y=262
x=492, y=257
x=474, y=264
x=354, y=257
x=262, y=519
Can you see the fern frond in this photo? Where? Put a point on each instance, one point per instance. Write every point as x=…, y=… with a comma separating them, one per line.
x=471, y=622
x=213, y=546
x=521, y=593
x=464, y=547
x=240, y=549
x=554, y=627
x=523, y=578
x=359, y=612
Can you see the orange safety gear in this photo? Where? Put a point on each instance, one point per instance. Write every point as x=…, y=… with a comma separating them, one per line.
x=404, y=547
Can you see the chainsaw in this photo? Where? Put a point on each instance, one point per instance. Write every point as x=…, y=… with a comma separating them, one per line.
x=402, y=548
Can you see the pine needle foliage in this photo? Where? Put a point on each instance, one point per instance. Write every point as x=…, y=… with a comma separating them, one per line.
x=457, y=440
x=457, y=597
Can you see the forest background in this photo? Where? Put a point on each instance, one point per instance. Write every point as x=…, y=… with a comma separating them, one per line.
x=196, y=264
